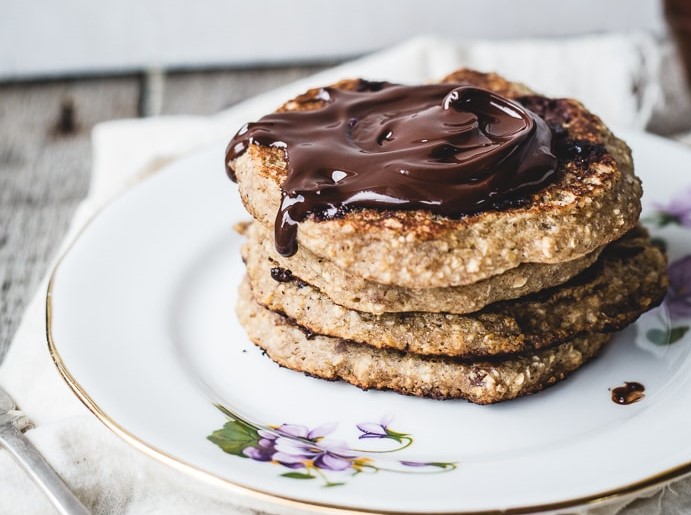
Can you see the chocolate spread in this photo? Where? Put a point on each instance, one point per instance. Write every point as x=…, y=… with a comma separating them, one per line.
x=629, y=393
x=444, y=148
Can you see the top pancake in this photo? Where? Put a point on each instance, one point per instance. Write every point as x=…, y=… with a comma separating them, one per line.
x=594, y=200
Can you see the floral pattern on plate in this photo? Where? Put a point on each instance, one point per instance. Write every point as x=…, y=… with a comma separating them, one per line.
x=677, y=302
x=309, y=454
x=676, y=212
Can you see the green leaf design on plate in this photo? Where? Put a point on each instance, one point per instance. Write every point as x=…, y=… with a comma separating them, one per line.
x=661, y=337
x=677, y=333
x=662, y=219
x=657, y=336
x=235, y=437
x=395, y=435
x=442, y=465
x=297, y=475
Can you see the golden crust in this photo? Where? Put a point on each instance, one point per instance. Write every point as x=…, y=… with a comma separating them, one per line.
x=628, y=279
x=354, y=292
x=481, y=382
x=595, y=200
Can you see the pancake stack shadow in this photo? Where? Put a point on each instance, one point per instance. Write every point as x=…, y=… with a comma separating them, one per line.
x=480, y=318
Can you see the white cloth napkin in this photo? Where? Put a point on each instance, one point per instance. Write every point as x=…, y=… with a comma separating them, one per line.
x=616, y=76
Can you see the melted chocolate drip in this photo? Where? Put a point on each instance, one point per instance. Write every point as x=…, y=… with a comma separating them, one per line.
x=448, y=149
x=629, y=393
x=281, y=275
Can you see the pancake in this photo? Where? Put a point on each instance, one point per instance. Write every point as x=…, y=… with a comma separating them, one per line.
x=481, y=382
x=628, y=279
x=594, y=200
x=360, y=294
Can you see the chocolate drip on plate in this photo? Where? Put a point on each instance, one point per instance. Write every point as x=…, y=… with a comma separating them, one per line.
x=629, y=393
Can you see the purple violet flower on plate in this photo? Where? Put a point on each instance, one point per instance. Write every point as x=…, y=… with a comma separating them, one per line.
x=679, y=294
x=374, y=429
x=311, y=455
x=265, y=448
x=327, y=454
x=677, y=211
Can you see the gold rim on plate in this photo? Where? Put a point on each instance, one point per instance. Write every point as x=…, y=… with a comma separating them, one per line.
x=599, y=498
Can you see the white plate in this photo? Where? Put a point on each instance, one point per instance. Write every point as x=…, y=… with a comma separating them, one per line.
x=142, y=326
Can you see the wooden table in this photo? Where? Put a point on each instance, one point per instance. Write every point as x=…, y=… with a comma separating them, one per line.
x=45, y=155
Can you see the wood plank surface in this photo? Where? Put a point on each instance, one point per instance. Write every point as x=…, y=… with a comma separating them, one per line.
x=45, y=155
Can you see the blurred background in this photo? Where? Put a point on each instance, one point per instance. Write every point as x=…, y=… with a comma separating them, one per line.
x=76, y=37
x=70, y=64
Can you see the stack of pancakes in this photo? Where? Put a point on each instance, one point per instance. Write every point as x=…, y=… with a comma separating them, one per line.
x=487, y=307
